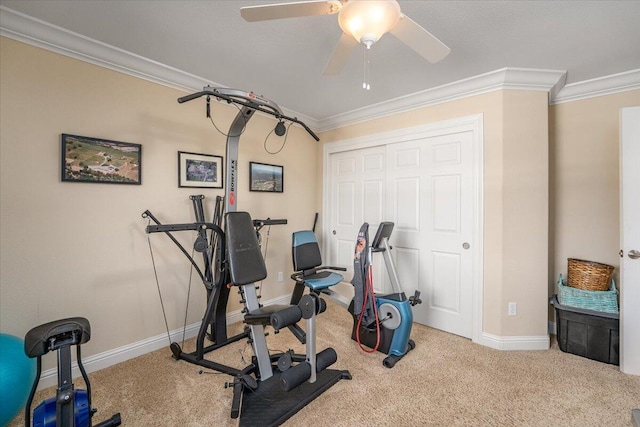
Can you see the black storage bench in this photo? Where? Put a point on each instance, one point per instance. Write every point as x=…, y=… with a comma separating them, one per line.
x=588, y=333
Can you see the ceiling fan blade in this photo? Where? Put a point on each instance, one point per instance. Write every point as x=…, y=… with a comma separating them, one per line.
x=290, y=10
x=422, y=41
x=340, y=55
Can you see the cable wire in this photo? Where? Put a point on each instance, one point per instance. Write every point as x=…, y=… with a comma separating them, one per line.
x=186, y=310
x=286, y=135
x=155, y=272
x=244, y=126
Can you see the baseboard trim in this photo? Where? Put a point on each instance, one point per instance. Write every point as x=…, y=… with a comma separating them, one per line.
x=112, y=357
x=515, y=343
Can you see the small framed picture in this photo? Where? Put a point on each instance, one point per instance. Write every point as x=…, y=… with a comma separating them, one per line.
x=86, y=159
x=264, y=177
x=199, y=170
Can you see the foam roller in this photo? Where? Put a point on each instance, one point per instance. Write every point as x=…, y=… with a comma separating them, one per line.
x=325, y=358
x=285, y=317
x=322, y=306
x=294, y=376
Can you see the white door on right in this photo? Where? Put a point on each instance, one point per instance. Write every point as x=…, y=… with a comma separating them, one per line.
x=430, y=200
x=630, y=240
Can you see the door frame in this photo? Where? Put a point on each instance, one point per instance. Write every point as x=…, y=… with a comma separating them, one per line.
x=473, y=123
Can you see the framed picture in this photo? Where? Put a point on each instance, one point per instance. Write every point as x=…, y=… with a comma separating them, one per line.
x=264, y=177
x=86, y=159
x=199, y=170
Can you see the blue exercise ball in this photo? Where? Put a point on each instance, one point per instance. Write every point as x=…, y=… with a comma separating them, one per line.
x=17, y=374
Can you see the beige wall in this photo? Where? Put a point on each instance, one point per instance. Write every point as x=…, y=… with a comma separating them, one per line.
x=70, y=249
x=584, y=177
x=515, y=199
x=76, y=249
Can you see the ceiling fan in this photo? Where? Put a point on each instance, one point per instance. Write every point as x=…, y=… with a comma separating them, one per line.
x=362, y=21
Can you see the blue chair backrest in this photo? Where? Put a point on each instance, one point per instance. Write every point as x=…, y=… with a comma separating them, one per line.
x=305, y=251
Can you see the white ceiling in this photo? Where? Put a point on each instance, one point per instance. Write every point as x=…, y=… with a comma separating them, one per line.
x=284, y=59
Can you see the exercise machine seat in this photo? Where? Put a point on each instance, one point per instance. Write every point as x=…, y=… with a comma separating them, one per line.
x=75, y=330
x=307, y=260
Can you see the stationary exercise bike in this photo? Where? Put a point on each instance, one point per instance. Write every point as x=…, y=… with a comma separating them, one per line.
x=391, y=311
x=70, y=407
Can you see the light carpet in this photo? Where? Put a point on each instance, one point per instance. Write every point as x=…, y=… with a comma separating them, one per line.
x=446, y=381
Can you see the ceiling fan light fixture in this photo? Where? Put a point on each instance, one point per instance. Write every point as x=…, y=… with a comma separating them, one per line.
x=368, y=20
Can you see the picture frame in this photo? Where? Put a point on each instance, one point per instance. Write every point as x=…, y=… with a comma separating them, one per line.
x=97, y=160
x=197, y=170
x=266, y=178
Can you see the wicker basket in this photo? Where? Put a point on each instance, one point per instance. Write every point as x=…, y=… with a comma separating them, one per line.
x=588, y=275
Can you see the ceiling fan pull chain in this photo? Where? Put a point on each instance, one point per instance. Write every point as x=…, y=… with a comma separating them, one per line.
x=365, y=82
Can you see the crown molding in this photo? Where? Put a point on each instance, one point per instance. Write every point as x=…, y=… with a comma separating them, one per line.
x=615, y=83
x=27, y=29
x=35, y=32
x=505, y=78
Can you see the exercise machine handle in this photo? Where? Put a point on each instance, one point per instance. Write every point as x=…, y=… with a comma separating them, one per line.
x=249, y=100
x=309, y=131
x=268, y=221
x=191, y=97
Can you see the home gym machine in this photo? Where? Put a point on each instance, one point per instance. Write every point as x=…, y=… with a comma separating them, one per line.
x=391, y=311
x=282, y=387
x=69, y=407
x=232, y=259
x=210, y=241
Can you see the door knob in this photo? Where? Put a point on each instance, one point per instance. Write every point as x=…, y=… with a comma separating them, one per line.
x=334, y=232
x=466, y=245
x=633, y=254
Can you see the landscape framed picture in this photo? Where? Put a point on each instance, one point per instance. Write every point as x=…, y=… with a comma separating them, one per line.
x=265, y=177
x=199, y=170
x=86, y=159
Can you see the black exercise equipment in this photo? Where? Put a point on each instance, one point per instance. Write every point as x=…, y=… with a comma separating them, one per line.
x=233, y=259
x=270, y=399
x=70, y=407
x=210, y=241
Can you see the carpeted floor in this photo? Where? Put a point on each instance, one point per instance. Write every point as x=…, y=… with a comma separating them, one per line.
x=446, y=381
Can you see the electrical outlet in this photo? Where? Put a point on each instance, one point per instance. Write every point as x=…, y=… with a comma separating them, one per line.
x=512, y=309
x=280, y=278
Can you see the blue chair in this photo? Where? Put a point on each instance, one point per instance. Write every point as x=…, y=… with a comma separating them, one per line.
x=309, y=272
x=307, y=263
x=307, y=266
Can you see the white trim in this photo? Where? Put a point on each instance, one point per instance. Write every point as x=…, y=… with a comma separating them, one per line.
x=112, y=357
x=24, y=28
x=515, y=343
x=505, y=78
x=621, y=82
x=473, y=123
x=27, y=29
x=339, y=299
